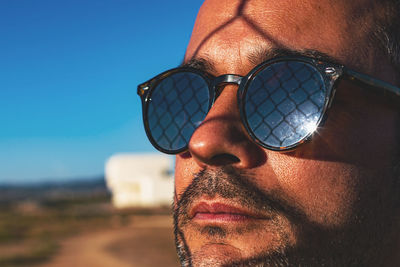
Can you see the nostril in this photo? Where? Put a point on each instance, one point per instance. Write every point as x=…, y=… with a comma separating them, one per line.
x=224, y=159
x=185, y=155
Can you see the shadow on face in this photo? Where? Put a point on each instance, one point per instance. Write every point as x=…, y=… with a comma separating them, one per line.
x=332, y=201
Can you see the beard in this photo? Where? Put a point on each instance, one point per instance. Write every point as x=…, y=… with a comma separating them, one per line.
x=353, y=244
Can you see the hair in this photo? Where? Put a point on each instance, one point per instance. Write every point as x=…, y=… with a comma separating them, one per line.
x=385, y=33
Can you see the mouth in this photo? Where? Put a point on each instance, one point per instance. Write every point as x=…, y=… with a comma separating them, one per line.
x=219, y=212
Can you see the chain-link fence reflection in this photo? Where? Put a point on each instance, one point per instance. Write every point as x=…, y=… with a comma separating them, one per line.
x=284, y=102
x=178, y=105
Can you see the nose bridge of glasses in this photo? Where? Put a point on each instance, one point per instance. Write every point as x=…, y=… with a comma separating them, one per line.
x=219, y=82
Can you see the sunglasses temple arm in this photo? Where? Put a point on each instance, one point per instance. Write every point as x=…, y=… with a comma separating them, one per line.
x=366, y=79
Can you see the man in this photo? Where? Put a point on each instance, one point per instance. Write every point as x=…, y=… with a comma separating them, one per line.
x=284, y=170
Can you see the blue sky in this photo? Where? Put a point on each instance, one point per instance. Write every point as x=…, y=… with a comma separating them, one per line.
x=68, y=76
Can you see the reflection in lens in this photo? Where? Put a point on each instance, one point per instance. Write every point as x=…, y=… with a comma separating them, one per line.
x=177, y=105
x=284, y=103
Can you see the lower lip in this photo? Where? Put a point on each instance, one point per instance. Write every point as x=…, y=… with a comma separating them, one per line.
x=220, y=217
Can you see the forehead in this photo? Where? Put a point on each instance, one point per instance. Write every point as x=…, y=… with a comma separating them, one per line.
x=229, y=31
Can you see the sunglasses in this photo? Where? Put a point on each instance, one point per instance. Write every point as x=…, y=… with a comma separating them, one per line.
x=281, y=101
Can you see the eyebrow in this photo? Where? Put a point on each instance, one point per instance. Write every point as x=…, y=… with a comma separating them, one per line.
x=202, y=64
x=261, y=55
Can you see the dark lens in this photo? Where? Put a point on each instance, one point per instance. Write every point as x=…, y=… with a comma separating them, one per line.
x=284, y=103
x=177, y=105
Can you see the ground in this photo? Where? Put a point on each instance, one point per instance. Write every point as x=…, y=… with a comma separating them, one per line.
x=146, y=241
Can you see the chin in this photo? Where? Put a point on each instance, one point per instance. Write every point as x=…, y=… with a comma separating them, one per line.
x=229, y=241
x=273, y=242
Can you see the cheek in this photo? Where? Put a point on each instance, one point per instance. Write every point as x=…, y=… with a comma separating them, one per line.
x=185, y=169
x=360, y=128
x=325, y=191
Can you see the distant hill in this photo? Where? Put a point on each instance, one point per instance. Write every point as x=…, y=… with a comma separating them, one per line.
x=53, y=190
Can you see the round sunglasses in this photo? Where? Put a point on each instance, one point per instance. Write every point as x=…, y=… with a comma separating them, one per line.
x=281, y=101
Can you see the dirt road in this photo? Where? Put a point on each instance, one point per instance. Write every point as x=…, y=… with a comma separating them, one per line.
x=146, y=242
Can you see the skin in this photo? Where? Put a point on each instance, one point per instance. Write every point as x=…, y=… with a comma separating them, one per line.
x=339, y=191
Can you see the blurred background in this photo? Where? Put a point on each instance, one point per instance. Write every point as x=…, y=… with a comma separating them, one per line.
x=73, y=186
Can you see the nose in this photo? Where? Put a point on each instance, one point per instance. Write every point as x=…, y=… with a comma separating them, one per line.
x=221, y=139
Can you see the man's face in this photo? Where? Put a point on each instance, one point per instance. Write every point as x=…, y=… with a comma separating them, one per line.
x=331, y=201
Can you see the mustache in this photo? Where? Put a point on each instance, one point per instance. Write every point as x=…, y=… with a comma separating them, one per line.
x=232, y=184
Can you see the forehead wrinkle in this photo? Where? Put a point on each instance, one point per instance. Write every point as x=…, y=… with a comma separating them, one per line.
x=225, y=56
x=241, y=32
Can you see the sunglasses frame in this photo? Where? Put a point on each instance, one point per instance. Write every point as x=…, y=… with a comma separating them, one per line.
x=330, y=73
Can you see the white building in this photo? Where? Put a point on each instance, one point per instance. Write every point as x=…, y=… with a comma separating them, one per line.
x=140, y=180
